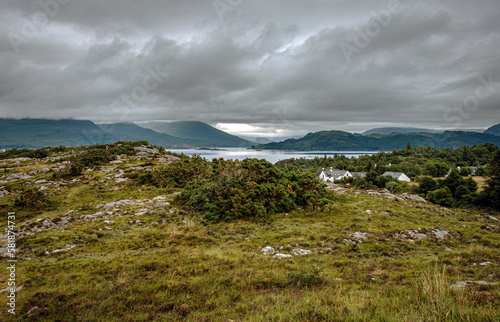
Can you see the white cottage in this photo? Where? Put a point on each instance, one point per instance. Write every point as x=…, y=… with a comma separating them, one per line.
x=332, y=175
x=397, y=175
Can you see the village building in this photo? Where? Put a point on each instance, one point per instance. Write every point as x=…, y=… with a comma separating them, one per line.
x=332, y=175
x=397, y=175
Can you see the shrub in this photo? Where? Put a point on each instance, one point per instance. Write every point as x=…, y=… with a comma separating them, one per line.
x=394, y=187
x=465, y=196
x=75, y=169
x=441, y=197
x=88, y=158
x=491, y=193
x=426, y=184
x=252, y=188
x=176, y=174
x=32, y=200
x=123, y=147
x=93, y=157
x=24, y=153
x=465, y=171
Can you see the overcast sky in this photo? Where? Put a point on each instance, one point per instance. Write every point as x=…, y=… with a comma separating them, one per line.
x=254, y=67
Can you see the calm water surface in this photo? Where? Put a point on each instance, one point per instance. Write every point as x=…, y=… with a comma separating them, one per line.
x=272, y=156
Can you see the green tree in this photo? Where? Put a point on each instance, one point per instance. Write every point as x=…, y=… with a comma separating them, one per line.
x=426, y=184
x=492, y=189
x=394, y=187
x=454, y=180
x=441, y=197
x=408, y=146
x=465, y=171
x=464, y=195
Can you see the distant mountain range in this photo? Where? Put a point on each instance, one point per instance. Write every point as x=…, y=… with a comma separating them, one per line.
x=133, y=132
x=202, y=133
x=390, y=130
x=495, y=130
x=39, y=133
x=344, y=141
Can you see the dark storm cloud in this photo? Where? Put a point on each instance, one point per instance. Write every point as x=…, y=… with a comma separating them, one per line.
x=273, y=65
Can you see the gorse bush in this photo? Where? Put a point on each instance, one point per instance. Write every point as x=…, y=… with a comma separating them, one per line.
x=176, y=174
x=89, y=158
x=250, y=189
x=75, y=169
x=32, y=200
x=24, y=153
x=97, y=155
x=93, y=157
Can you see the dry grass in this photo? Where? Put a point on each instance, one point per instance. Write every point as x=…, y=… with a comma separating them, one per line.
x=432, y=285
x=481, y=182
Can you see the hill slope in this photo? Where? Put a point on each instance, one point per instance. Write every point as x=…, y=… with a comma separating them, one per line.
x=39, y=133
x=133, y=132
x=202, y=132
x=494, y=130
x=391, y=130
x=101, y=250
x=343, y=141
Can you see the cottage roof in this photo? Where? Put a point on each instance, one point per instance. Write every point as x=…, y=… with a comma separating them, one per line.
x=333, y=172
x=393, y=174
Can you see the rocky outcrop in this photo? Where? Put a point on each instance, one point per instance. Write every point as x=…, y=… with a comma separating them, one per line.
x=358, y=237
x=413, y=196
x=268, y=250
x=168, y=159
x=281, y=256
x=301, y=252
x=462, y=284
x=145, y=151
x=440, y=234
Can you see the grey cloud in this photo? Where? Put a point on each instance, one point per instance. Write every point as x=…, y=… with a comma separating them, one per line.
x=267, y=63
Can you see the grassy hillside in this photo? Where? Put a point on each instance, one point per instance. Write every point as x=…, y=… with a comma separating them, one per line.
x=193, y=130
x=101, y=246
x=38, y=133
x=343, y=141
